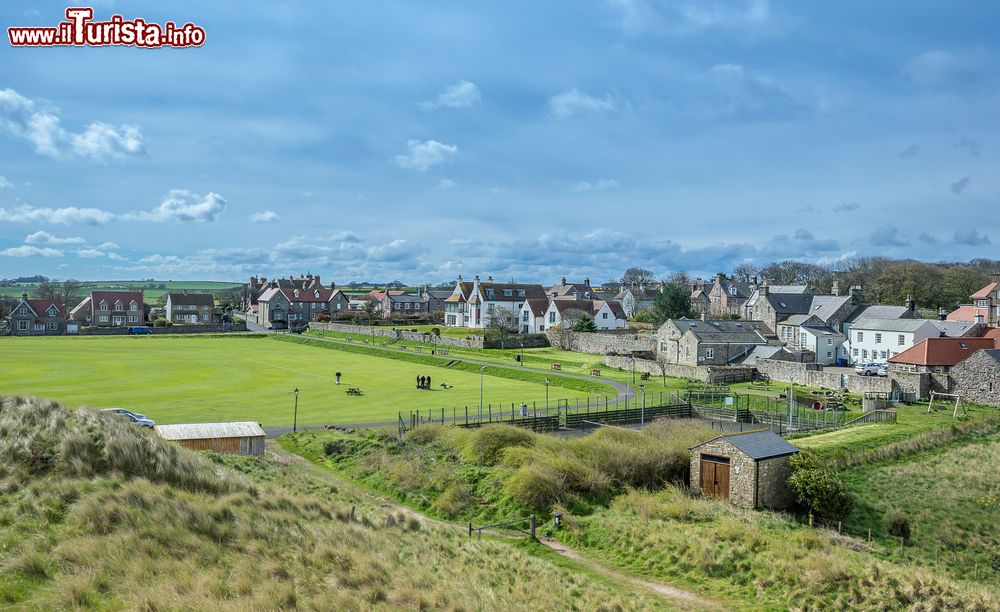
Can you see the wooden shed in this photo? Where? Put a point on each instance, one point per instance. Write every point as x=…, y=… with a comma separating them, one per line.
x=242, y=437
x=750, y=469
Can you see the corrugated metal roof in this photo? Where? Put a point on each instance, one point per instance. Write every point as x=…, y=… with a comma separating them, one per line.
x=762, y=444
x=201, y=431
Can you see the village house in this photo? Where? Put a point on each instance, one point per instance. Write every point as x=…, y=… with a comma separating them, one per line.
x=280, y=308
x=606, y=315
x=574, y=291
x=435, y=301
x=36, y=318
x=803, y=320
x=634, y=299
x=750, y=469
x=937, y=355
x=728, y=297
x=399, y=304
x=472, y=305
x=110, y=309
x=696, y=342
x=532, y=316
x=977, y=378
x=191, y=309
x=985, y=303
x=878, y=340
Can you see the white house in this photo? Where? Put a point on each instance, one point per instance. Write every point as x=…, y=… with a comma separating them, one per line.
x=606, y=315
x=877, y=340
x=824, y=341
x=532, y=317
x=472, y=305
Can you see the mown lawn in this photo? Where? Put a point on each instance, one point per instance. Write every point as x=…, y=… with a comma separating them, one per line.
x=188, y=379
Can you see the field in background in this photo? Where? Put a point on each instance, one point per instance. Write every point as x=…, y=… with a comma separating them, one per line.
x=187, y=379
x=152, y=290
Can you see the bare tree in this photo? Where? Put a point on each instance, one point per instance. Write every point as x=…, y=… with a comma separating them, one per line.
x=49, y=290
x=745, y=272
x=682, y=279
x=611, y=286
x=636, y=276
x=69, y=292
x=501, y=325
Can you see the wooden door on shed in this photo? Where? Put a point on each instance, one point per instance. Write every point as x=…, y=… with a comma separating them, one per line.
x=715, y=476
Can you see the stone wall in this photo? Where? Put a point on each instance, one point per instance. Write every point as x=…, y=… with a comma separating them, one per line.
x=706, y=374
x=772, y=483
x=471, y=342
x=813, y=375
x=977, y=379
x=164, y=331
x=742, y=471
x=603, y=343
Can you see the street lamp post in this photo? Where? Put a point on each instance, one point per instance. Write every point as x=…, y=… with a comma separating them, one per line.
x=546, y=395
x=482, y=371
x=295, y=419
x=642, y=413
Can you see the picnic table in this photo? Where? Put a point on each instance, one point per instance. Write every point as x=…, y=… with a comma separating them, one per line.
x=644, y=376
x=556, y=366
x=354, y=391
x=595, y=372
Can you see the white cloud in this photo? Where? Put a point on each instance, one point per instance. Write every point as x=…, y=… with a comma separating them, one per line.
x=57, y=216
x=747, y=95
x=4, y=183
x=27, y=250
x=423, y=155
x=680, y=17
x=41, y=237
x=345, y=236
x=598, y=185
x=268, y=216
x=571, y=102
x=183, y=205
x=105, y=249
x=28, y=120
x=462, y=94
x=445, y=184
x=397, y=250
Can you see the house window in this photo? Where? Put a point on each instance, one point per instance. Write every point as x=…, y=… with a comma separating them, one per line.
x=983, y=303
x=489, y=308
x=829, y=355
x=524, y=316
x=989, y=386
x=52, y=326
x=864, y=354
x=885, y=355
x=901, y=340
x=829, y=341
x=119, y=306
x=133, y=307
x=878, y=338
x=855, y=352
x=520, y=293
x=710, y=353
x=604, y=315
x=22, y=325
x=135, y=319
x=104, y=306
x=861, y=336
x=508, y=292
x=103, y=319
x=541, y=328
x=663, y=347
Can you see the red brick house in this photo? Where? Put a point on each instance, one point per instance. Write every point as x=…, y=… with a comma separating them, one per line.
x=111, y=309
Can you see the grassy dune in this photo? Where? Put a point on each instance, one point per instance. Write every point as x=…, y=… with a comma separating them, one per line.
x=99, y=515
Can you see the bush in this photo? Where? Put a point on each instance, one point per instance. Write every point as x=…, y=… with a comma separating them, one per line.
x=898, y=525
x=161, y=322
x=819, y=488
x=435, y=331
x=487, y=444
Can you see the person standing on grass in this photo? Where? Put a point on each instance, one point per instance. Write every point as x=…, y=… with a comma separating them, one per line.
x=338, y=377
x=427, y=383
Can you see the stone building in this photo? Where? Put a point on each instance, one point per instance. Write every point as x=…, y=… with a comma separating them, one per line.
x=36, y=318
x=695, y=342
x=749, y=469
x=191, y=309
x=977, y=379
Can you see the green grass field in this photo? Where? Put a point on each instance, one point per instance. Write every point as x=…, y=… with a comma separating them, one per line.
x=152, y=290
x=186, y=379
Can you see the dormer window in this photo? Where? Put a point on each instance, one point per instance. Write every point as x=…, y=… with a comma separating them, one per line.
x=118, y=305
x=316, y=294
x=53, y=311
x=133, y=306
x=296, y=293
x=732, y=290
x=104, y=305
x=508, y=292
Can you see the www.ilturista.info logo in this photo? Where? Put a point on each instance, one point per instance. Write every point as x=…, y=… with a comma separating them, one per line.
x=80, y=30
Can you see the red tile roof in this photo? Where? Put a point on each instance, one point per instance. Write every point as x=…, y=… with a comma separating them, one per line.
x=985, y=292
x=992, y=332
x=112, y=296
x=968, y=313
x=942, y=351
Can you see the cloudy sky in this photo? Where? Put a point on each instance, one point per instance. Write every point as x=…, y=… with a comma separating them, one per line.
x=382, y=140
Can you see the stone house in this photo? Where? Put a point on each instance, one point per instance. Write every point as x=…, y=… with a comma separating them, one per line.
x=701, y=342
x=110, y=309
x=400, y=305
x=36, y=318
x=728, y=296
x=749, y=469
x=977, y=379
x=278, y=307
x=634, y=299
x=190, y=309
x=435, y=301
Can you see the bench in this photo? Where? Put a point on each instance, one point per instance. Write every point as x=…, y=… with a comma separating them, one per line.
x=354, y=391
x=556, y=367
x=595, y=372
x=644, y=376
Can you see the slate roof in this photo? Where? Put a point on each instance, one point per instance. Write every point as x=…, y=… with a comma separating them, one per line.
x=954, y=329
x=202, y=431
x=942, y=351
x=880, y=312
x=726, y=331
x=191, y=299
x=890, y=325
x=993, y=354
x=538, y=307
x=763, y=444
x=111, y=297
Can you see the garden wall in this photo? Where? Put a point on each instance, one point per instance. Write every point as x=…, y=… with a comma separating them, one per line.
x=472, y=342
x=170, y=330
x=813, y=375
x=603, y=343
x=706, y=374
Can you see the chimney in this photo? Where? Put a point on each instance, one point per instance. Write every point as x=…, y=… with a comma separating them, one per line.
x=835, y=288
x=489, y=279
x=24, y=296
x=704, y=316
x=563, y=281
x=586, y=281
x=764, y=289
x=942, y=315
x=856, y=291
x=753, y=280
x=979, y=318
x=911, y=304
x=720, y=277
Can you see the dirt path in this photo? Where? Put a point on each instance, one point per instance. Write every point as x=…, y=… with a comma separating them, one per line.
x=690, y=600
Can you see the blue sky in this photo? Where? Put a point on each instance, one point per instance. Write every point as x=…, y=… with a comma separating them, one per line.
x=378, y=140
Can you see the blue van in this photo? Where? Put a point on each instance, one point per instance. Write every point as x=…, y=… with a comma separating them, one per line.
x=139, y=331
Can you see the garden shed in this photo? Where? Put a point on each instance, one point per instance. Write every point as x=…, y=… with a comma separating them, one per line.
x=237, y=438
x=750, y=469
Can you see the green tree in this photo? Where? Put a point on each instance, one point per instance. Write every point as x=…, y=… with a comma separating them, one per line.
x=673, y=302
x=819, y=488
x=585, y=324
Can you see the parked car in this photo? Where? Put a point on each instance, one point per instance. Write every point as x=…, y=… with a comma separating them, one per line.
x=139, y=330
x=867, y=369
x=883, y=370
x=139, y=420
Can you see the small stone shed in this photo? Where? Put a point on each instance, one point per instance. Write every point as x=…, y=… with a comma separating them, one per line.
x=750, y=469
x=237, y=438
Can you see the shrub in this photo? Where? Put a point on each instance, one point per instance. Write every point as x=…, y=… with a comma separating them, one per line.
x=819, y=488
x=435, y=331
x=898, y=525
x=453, y=500
x=487, y=444
x=161, y=322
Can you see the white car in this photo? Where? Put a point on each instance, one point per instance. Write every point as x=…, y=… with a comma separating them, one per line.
x=139, y=420
x=867, y=369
